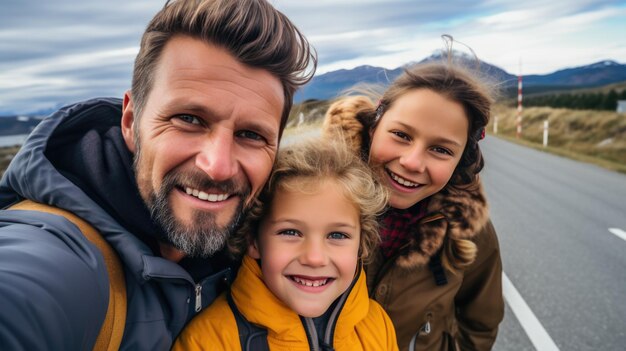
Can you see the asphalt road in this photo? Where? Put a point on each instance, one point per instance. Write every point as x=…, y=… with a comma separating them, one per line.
x=553, y=217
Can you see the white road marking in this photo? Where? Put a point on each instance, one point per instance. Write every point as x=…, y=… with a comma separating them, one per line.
x=535, y=331
x=618, y=232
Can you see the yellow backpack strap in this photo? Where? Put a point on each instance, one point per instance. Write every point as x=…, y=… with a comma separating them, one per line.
x=112, y=330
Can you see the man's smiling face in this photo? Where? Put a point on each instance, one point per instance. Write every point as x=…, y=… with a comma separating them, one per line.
x=207, y=139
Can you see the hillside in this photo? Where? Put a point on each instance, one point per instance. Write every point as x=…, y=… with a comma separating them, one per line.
x=15, y=125
x=593, y=136
x=6, y=155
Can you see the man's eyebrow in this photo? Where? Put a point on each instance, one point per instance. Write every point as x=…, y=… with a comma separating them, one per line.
x=198, y=109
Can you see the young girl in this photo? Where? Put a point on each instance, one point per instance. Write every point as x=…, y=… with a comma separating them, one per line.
x=437, y=271
x=301, y=280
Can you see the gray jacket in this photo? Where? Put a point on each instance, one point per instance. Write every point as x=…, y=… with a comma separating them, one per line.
x=53, y=282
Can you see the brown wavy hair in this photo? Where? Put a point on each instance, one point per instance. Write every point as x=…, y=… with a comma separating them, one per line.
x=305, y=167
x=253, y=31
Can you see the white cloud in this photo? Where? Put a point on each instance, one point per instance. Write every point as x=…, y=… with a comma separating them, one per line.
x=65, y=50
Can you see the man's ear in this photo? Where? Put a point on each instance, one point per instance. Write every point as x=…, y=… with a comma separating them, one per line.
x=253, y=250
x=128, y=122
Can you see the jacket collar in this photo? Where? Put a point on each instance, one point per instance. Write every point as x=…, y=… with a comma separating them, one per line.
x=259, y=305
x=453, y=214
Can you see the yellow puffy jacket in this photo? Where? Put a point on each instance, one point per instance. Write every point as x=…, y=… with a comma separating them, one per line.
x=361, y=323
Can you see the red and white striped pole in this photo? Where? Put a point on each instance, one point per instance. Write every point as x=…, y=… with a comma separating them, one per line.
x=519, y=106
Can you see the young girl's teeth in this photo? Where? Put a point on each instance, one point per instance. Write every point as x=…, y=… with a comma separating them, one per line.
x=314, y=283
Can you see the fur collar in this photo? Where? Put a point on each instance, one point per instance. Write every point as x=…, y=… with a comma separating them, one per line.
x=454, y=214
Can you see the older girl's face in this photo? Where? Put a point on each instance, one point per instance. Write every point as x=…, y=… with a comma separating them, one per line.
x=419, y=142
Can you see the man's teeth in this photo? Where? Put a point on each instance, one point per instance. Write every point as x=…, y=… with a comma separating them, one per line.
x=205, y=196
x=403, y=181
x=310, y=282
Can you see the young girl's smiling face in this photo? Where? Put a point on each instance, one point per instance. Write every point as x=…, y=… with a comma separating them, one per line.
x=419, y=141
x=308, y=244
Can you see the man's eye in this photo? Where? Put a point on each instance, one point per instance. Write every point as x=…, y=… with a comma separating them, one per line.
x=250, y=135
x=289, y=232
x=338, y=236
x=189, y=119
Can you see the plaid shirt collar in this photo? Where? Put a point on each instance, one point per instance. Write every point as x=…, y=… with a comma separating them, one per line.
x=398, y=225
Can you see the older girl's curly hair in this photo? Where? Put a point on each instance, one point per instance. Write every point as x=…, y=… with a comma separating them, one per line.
x=304, y=167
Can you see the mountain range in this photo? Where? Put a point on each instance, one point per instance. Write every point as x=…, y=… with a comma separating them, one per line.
x=17, y=125
x=333, y=84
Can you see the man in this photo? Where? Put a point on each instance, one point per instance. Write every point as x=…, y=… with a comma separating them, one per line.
x=164, y=176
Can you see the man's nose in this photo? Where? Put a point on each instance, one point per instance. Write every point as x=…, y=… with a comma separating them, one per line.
x=217, y=156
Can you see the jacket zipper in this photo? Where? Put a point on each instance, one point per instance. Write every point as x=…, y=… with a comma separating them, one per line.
x=424, y=330
x=311, y=333
x=332, y=321
x=198, y=297
x=309, y=325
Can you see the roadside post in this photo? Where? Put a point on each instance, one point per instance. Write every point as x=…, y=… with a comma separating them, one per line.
x=545, y=133
x=495, y=125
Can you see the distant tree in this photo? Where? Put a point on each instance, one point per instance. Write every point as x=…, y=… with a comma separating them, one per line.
x=609, y=101
x=595, y=101
x=589, y=101
x=562, y=100
x=578, y=101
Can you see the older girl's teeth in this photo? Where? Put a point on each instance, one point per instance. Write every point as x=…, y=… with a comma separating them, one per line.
x=205, y=196
x=403, y=181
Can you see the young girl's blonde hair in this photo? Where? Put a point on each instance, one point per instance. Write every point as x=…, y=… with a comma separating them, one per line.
x=305, y=167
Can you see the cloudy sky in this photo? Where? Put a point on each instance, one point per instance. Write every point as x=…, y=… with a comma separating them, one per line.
x=59, y=51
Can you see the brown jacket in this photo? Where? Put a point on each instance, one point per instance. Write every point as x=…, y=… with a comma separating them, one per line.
x=462, y=314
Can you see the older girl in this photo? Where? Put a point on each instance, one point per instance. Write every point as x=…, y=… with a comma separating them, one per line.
x=437, y=271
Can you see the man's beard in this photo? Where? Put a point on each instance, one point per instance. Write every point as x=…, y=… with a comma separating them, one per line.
x=202, y=237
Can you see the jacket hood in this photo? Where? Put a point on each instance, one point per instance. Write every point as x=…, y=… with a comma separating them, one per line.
x=454, y=214
x=33, y=175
